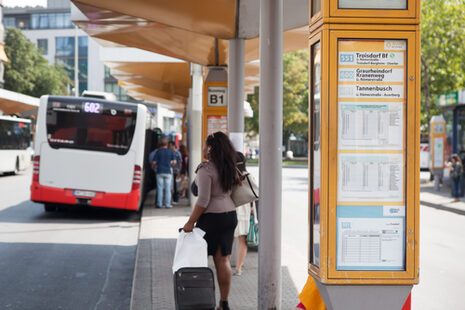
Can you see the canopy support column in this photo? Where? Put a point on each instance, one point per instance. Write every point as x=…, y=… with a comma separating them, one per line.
x=236, y=93
x=270, y=126
x=195, y=123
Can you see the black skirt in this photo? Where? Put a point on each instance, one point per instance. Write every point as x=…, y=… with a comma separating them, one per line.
x=219, y=231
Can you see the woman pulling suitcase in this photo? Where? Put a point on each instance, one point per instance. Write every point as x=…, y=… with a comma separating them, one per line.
x=215, y=211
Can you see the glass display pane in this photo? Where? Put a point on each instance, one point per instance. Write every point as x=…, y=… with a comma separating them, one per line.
x=315, y=154
x=316, y=7
x=449, y=117
x=371, y=155
x=373, y=4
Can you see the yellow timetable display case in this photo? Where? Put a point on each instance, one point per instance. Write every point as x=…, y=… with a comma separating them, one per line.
x=364, y=12
x=364, y=159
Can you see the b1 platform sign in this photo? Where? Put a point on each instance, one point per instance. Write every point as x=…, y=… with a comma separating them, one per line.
x=437, y=139
x=217, y=96
x=367, y=137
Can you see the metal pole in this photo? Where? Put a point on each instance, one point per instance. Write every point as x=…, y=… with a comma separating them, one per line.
x=236, y=106
x=270, y=124
x=76, y=62
x=236, y=93
x=195, y=124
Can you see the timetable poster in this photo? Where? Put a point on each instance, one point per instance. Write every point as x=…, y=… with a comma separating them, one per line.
x=217, y=123
x=371, y=177
x=371, y=154
x=371, y=125
x=371, y=87
x=370, y=238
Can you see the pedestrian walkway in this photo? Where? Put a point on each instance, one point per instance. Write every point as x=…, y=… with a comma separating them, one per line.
x=153, y=279
x=441, y=199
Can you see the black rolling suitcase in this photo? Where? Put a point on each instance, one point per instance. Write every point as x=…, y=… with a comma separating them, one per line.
x=194, y=288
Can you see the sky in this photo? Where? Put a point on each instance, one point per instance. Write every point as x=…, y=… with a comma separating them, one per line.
x=11, y=3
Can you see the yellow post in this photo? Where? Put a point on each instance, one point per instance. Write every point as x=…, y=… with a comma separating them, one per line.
x=364, y=146
x=437, y=148
x=437, y=143
x=215, y=102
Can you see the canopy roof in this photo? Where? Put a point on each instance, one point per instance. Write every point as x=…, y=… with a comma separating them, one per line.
x=194, y=31
x=14, y=103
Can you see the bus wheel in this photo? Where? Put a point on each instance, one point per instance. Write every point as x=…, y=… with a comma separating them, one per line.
x=50, y=207
x=16, y=166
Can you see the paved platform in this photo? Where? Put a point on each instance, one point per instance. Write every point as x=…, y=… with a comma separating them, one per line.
x=153, y=279
x=441, y=199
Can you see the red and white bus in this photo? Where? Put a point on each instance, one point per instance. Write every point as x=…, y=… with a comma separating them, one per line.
x=90, y=152
x=15, y=144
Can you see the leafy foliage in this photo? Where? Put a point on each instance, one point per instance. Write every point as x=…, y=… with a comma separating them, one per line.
x=442, y=52
x=29, y=73
x=295, y=98
x=251, y=123
x=295, y=94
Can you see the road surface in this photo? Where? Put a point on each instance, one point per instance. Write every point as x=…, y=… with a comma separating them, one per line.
x=76, y=259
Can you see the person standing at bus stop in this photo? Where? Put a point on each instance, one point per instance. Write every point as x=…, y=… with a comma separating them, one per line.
x=215, y=212
x=455, y=174
x=162, y=162
x=176, y=169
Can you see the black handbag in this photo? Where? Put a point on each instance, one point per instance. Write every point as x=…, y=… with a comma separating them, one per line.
x=194, y=189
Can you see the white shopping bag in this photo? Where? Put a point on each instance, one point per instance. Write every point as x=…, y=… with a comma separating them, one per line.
x=191, y=250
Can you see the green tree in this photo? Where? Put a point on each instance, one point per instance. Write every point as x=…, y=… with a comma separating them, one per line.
x=29, y=73
x=295, y=94
x=295, y=97
x=251, y=123
x=442, y=52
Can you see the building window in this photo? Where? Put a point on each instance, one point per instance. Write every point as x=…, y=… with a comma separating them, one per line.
x=168, y=124
x=120, y=93
x=9, y=22
x=42, y=45
x=108, y=73
x=64, y=54
x=65, y=46
x=51, y=21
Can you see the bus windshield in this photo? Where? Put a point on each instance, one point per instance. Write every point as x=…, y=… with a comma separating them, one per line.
x=89, y=124
x=14, y=134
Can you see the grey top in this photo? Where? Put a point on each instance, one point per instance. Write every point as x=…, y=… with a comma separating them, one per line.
x=211, y=195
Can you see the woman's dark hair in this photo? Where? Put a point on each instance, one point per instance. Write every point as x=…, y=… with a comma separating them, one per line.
x=223, y=155
x=240, y=158
x=183, y=150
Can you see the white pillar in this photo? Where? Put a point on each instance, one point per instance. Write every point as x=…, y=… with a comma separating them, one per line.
x=270, y=125
x=76, y=62
x=236, y=93
x=195, y=124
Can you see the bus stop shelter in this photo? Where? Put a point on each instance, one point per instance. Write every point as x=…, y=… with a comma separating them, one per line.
x=16, y=103
x=220, y=33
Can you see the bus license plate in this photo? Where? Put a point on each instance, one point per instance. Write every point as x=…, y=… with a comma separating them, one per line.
x=84, y=193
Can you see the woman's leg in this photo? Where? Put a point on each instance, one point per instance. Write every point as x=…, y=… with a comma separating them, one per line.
x=457, y=187
x=242, y=251
x=223, y=273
